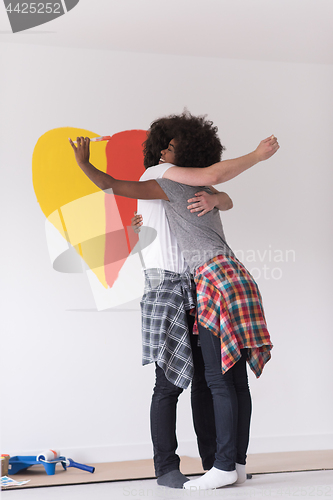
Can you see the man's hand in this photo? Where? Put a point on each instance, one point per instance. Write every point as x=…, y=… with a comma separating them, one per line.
x=267, y=148
x=203, y=203
x=136, y=222
x=82, y=150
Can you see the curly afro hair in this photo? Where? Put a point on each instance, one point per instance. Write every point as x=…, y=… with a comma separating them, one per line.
x=158, y=137
x=197, y=142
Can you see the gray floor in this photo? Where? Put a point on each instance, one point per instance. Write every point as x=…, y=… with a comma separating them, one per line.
x=296, y=484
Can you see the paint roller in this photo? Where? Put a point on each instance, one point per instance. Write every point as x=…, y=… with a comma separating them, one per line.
x=52, y=456
x=68, y=462
x=48, y=456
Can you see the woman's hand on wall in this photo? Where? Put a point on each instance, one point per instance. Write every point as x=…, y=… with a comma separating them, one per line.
x=81, y=150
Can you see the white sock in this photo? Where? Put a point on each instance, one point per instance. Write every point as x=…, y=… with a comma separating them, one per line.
x=214, y=478
x=241, y=473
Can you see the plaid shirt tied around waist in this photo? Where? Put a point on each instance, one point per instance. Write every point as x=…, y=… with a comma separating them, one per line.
x=229, y=304
x=165, y=336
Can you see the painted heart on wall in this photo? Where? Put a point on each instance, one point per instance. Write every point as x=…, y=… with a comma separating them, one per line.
x=91, y=224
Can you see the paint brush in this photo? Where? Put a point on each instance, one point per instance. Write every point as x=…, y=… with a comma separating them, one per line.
x=98, y=139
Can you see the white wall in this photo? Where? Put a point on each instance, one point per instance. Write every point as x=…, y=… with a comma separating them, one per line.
x=74, y=375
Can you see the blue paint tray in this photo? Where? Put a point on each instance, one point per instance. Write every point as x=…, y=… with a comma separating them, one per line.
x=16, y=464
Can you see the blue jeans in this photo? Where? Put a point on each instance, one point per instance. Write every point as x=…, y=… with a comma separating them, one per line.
x=232, y=402
x=163, y=415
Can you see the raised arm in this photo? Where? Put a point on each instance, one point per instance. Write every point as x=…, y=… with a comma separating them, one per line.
x=223, y=171
x=146, y=190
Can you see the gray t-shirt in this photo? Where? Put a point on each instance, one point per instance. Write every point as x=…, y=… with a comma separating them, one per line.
x=200, y=238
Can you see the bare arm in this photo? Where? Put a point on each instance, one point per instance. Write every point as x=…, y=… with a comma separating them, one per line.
x=147, y=190
x=223, y=171
x=204, y=202
x=223, y=200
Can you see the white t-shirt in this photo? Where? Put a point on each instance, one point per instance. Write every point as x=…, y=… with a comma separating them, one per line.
x=163, y=252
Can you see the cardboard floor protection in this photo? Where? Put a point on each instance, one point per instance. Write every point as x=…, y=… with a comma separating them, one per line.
x=143, y=469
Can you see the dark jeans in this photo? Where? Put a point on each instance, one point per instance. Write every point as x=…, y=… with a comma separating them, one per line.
x=232, y=402
x=163, y=415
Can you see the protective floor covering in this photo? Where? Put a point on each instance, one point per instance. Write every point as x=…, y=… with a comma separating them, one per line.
x=143, y=469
